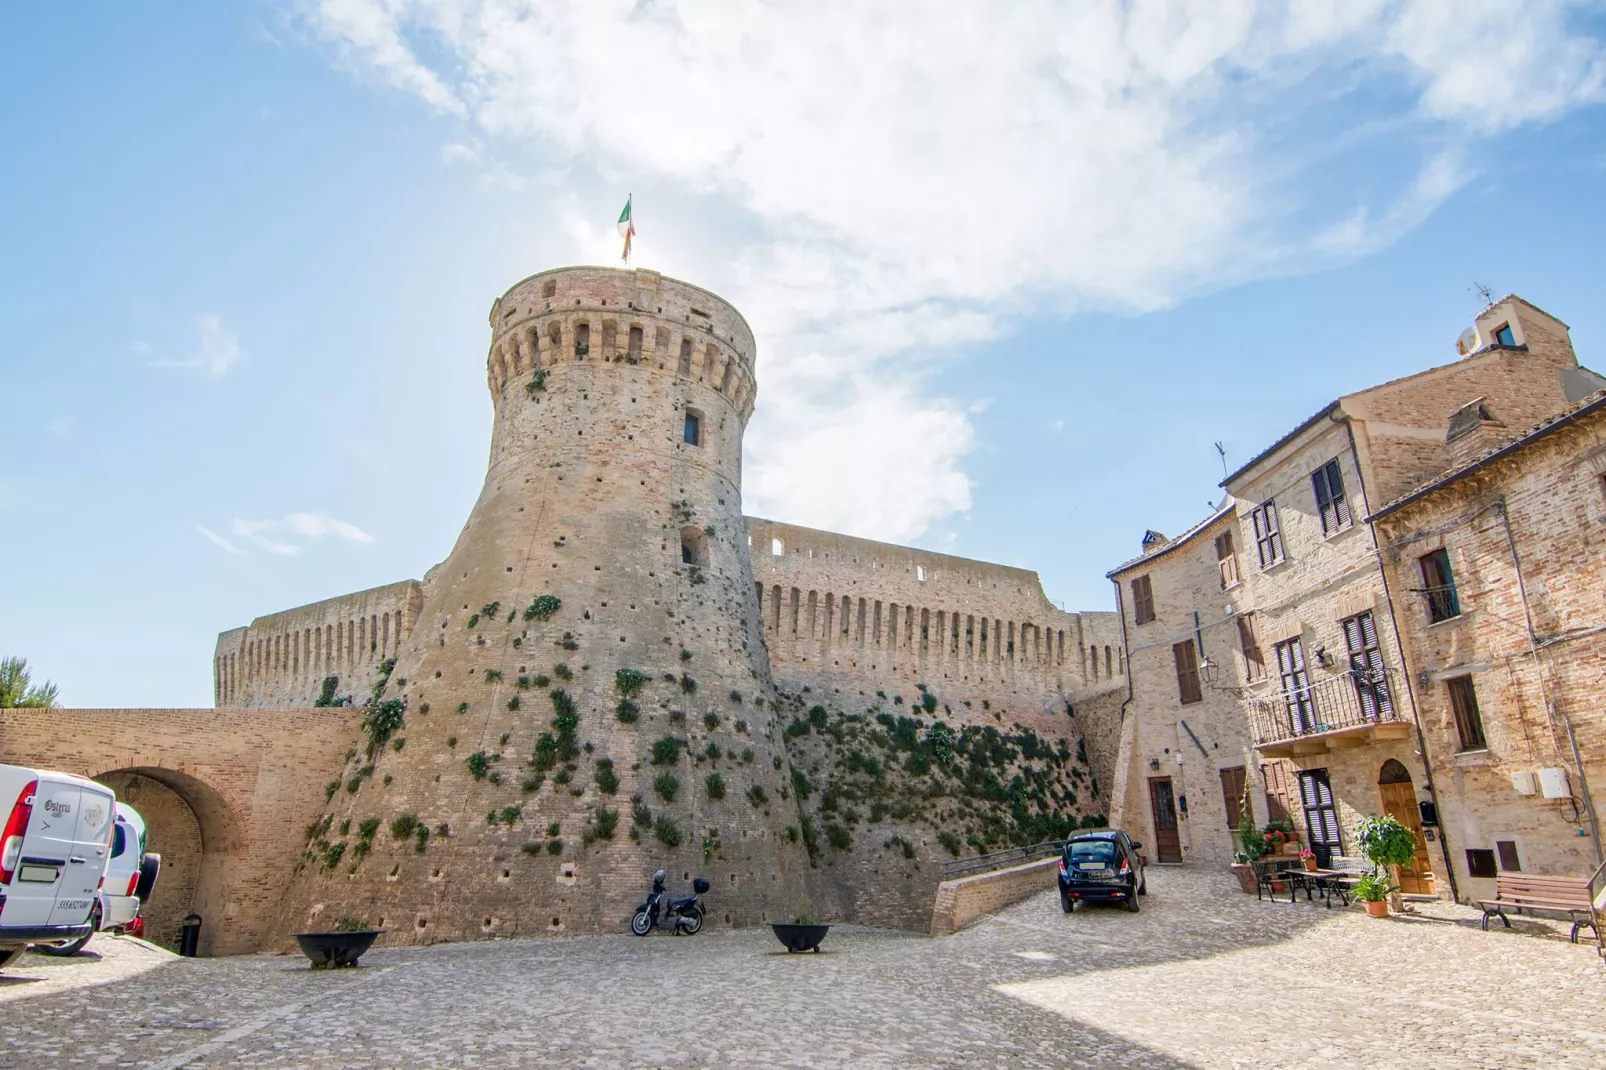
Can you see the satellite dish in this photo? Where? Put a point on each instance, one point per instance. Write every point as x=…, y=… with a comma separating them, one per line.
x=1468, y=342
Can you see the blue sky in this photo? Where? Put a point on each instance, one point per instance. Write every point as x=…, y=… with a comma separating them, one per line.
x=1011, y=279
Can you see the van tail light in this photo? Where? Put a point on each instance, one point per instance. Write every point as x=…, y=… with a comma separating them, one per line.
x=1126, y=867
x=1063, y=871
x=16, y=828
x=133, y=882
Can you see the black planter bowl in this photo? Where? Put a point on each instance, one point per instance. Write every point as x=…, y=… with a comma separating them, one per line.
x=332, y=950
x=800, y=937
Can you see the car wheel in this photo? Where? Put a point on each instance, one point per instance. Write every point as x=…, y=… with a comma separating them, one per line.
x=1067, y=904
x=72, y=947
x=1132, y=904
x=641, y=924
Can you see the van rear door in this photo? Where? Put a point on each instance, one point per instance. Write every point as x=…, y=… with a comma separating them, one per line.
x=90, y=828
x=47, y=845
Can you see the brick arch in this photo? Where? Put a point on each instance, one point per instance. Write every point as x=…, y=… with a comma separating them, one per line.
x=254, y=779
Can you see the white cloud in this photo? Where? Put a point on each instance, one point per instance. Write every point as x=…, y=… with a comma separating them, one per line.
x=292, y=535
x=219, y=349
x=910, y=181
x=218, y=540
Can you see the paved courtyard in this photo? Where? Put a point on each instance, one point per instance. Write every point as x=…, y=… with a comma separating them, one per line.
x=1203, y=977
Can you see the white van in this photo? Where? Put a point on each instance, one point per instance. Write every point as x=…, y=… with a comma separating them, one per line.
x=54, y=845
x=130, y=875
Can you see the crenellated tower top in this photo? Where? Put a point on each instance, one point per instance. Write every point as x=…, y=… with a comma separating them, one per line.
x=631, y=316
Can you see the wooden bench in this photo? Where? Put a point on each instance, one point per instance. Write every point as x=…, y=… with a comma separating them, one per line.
x=1560, y=895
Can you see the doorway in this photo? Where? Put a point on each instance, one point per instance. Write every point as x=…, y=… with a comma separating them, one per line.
x=1399, y=802
x=1163, y=802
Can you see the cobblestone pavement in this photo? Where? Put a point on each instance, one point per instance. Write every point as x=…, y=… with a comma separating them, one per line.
x=1203, y=977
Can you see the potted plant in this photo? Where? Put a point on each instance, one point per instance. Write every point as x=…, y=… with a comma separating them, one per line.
x=802, y=933
x=341, y=946
x=1387, y=844
x=1252, y=845
x=1308, y=858
x=1373, y=889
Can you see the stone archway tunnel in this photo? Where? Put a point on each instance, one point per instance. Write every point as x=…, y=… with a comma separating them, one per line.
x=226, y=792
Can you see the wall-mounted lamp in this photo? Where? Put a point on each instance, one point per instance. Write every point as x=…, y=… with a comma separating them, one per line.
x=1323, y=658
x=1154, y=764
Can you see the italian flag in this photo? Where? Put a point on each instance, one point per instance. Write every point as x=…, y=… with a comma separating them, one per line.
x=627, y=229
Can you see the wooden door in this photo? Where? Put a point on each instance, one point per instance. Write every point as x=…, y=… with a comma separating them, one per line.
x=1167, y=842
x=1399, y=802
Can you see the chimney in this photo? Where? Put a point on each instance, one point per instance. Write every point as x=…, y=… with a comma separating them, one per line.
x=1152, y=541
x=1473, y=431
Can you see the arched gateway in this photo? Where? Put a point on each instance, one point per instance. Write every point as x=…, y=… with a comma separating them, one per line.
x=223, y=791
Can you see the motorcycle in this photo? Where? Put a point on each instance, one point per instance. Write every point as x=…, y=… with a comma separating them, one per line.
x=683, y=914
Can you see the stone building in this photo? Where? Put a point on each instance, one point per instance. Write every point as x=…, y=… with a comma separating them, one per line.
x=1317, y=656
x=1187, y=768
x=1500, y=568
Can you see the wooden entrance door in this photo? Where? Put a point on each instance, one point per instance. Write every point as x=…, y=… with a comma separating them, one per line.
x=1399, y=802
x=1167, y=842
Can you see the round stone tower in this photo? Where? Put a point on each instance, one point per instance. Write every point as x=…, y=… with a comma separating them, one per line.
x=586, y=689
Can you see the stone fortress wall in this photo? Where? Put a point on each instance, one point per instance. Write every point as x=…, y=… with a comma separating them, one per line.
x=282, y=659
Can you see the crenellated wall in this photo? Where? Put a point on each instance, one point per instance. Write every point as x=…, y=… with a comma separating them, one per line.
x=844, y=615
x=282, y=659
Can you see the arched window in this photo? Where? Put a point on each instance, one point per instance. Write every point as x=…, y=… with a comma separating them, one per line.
x=693, y=546
x=582, y=340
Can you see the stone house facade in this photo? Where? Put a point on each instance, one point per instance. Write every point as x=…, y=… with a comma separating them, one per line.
x=1504, y=628
x=1186, y=766
x=1317, y=658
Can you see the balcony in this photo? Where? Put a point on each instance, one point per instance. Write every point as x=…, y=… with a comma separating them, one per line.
x=1354, y=709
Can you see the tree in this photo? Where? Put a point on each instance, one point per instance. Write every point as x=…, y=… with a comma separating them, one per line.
x=16, y=689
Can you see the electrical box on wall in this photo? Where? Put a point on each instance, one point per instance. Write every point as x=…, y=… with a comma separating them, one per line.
x=1553, y=782
x=1524, y=782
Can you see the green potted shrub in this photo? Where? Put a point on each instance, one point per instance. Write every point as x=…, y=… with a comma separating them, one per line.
x=1252, y=845
x=1374, y=889
x=1387, y=844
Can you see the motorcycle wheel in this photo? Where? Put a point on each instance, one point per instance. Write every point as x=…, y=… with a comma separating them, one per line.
x=693, y=921
x=641, y=924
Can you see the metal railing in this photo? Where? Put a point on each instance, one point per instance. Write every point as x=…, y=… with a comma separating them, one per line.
x=1009, y=856
x=1356, y=698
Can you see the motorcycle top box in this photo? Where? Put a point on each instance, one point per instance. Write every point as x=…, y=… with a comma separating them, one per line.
x=700, y=886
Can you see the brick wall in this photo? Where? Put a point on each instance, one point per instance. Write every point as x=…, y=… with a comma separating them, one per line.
x=251, y=779
x=963, y=900
x=1547, y=502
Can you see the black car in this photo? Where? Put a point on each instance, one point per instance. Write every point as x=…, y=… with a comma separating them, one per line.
x=1101, y=867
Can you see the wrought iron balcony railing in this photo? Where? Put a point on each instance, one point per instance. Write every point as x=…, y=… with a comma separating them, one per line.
x=1355, y=699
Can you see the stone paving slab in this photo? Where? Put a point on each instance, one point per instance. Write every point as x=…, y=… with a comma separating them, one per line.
x=1203, y=977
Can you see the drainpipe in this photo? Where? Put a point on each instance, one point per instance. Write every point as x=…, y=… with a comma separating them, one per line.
x=1551, y=710
x=1410, y=690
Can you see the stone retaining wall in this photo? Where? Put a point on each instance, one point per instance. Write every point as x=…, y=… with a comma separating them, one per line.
x=963, y=900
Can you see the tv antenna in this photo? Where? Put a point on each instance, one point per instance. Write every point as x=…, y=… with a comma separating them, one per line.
x=1484, y=292
x=1221, y=451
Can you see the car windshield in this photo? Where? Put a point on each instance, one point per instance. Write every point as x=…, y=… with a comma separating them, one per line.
x=1093, y=851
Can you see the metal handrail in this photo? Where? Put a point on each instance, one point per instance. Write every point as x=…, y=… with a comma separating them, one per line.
x=1355, y=698
x=1009, y=856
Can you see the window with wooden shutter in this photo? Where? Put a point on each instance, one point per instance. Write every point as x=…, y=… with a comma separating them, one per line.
x=1464, y=707
x=1279, y=801
x=1321, y=816
x=1142, y=600
x=1232, y=795
x=1226, y=560
x=1249, y=642
x=1439, y=586
x=1366, y=667
x=1296, y=687
x=1188, y=689
x=1268, y=536
x=1331, y=502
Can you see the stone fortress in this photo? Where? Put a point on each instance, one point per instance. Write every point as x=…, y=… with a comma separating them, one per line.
x=614, y=670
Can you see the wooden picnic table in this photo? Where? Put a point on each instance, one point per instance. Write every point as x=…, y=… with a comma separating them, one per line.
x=1326, y=881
